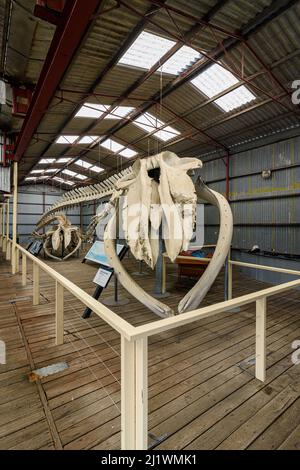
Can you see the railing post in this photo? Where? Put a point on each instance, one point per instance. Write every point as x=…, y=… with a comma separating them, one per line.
x=127, y=394
x=24, y=269
x=4, y=242
x=134, y=394
x=17, y=259
x=7, y=230
x=229, y=279
x=36, y=284
x=260, y=343
x=59, y=314
x=9, y=251
x=141, y=393
x=14, y=220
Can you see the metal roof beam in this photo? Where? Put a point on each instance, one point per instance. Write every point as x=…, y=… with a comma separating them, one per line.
x=75, y=20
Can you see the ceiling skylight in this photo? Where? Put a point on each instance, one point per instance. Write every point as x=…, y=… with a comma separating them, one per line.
x=30, y=178
x=88, y=139
x=235, y=99
x=83, y=164
x=37, y=171
x=66, y=139
x=80, y=177
x=45, y=161
x=216, y=79
x=146, y=50
x=128, y=153
x=61, y=180
x=149, y=123
x=181, y=60
x=51, y=170
x=112, y=145
x=69, y=172
x=95, y=111
x=97, y=169
x=64, y=160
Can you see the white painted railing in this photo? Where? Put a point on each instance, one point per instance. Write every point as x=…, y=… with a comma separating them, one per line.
x=134, y=340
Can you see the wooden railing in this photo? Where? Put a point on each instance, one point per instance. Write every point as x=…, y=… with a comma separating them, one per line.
x=134, y=340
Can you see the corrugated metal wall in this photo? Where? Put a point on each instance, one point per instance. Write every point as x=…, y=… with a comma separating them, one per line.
x=33, y=201
x=266, y=211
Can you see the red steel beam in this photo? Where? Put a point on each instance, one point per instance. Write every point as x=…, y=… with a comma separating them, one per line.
x=75, y=20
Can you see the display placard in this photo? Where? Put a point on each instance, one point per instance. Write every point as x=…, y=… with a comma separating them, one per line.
x=35, y=247
x=97, y=253
x=102, y=277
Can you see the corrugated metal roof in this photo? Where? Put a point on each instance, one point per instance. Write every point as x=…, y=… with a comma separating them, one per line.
x=276, y=43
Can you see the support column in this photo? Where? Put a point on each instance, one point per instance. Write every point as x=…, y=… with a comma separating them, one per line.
x=3, y=226
x=7, y=229
x=1, y=219
x=14, y=225
x=24, y=270
x=260, y=343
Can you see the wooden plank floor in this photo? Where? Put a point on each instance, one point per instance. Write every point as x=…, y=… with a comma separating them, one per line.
x=202, y=393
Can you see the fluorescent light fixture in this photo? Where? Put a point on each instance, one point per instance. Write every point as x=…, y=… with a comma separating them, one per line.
x=67, y=139
x=112, y=145
x=51, y=170
x=148, y=122
x=96, y=169
x=146, y=50
x=37, y=171
x=181, y=60
x=215, y=80
x=83, y=164
x=128, y=153
x=88, y=139
x=95, y=111
x=69, y=172
x=64, y=160
x=81, y=177
x=45, y=161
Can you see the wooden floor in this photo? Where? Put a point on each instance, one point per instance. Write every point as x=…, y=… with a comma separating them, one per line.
x=202, y=394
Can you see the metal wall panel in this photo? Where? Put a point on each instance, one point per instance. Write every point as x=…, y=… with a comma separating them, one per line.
x=266, y=211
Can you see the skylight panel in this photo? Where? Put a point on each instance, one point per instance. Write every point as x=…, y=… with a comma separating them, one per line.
x=37, y=171
x=146, y=50
x=30, y=178
x=235, y=99
x=45, y=161
x=181, y=60
x=61, y=180
x=67, y=139
x=166, y=134
x=149, y=123
x=69, y=172
x=51, y=170
x=80, y=177
x=64, y=160
x=95, y=111
x=96, y=169
x=215, y=80
x=128, y=153
x=120, y=112
x=83, y=164
x=91, y=110
x=88, y=139
x=112, y=145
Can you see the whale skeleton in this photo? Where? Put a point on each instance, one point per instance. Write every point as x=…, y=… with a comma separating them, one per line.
x=154, y=184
